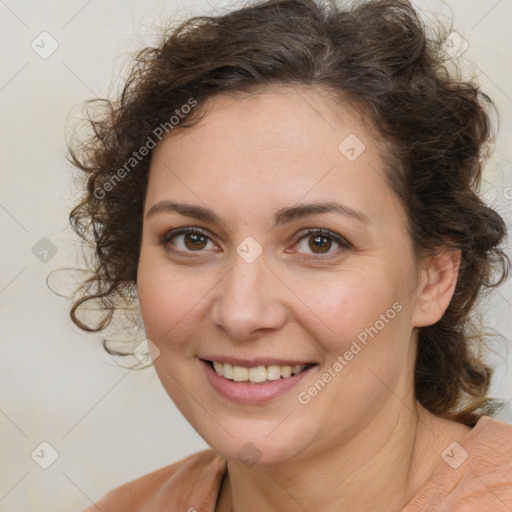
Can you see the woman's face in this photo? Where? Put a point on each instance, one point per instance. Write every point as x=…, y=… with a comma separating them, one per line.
x=253, y=288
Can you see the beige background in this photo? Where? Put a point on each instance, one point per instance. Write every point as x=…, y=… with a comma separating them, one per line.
x=109, y=424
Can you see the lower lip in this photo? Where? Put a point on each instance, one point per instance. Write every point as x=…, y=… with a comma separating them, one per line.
x=251, y=393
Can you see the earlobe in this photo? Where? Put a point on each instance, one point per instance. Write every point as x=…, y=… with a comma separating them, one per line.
x=437, y=285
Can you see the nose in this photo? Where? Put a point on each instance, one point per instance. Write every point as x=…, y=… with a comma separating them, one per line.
x=248, y=301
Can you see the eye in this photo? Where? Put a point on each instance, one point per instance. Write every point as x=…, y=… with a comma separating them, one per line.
x=320, y=241
x=193, y=240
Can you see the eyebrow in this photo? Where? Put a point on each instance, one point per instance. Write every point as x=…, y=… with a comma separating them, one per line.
x=283, y=216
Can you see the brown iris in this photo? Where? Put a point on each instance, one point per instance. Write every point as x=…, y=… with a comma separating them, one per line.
x=317, y=244
x=197, y=241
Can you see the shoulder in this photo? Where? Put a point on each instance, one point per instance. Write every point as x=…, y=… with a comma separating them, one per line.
x=476, y=474
x=490, y=452
x=484, y=478
x=200, y=472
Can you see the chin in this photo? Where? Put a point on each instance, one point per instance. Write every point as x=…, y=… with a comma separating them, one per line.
x=256, y=446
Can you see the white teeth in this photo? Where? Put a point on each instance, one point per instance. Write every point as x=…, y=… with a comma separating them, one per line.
x=286, y=371
x=219, y=368
x=257, y=373
x=240, y=373
x=228, y=371
x=273, y=372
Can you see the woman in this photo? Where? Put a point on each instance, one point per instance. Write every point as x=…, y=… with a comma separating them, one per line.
x=289, y=191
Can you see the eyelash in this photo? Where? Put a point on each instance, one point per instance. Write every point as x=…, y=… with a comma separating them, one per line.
x=342, y=242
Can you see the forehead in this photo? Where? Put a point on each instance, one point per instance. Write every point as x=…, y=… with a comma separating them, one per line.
x=273, y=147
x=278, y=117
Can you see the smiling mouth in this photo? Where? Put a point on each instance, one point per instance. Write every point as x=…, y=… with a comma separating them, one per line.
x=257, y=374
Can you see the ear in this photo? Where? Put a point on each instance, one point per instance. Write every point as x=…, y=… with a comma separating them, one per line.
x=437, y=284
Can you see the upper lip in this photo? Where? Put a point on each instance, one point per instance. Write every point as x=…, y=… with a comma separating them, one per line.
x=257, y=361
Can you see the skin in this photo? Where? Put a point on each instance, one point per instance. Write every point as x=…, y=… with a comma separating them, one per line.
x=362, y=443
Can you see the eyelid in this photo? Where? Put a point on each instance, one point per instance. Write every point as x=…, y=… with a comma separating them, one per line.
x=344, y=244
x=328, y=233
x=168, y=235
x=184, y=230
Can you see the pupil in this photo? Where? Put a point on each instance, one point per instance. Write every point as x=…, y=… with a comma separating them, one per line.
x=195, y=238
x=318, y=245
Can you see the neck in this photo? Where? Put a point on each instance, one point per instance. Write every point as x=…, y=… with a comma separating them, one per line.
x=380, y=467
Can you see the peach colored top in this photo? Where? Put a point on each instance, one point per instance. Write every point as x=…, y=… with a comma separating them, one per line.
x=475, y=475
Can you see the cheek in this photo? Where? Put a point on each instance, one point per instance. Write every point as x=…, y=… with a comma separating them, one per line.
x=348, y=303
x=169, y=301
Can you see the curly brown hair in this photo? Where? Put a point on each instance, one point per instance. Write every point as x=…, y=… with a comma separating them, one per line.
x=376, y=55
